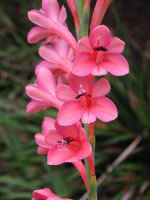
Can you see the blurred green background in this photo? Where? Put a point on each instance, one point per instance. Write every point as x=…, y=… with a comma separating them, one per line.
x=21, y=170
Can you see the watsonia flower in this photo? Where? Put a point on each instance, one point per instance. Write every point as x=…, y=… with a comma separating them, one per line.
x=42, y=92
x=84, y=99
x=100, y=53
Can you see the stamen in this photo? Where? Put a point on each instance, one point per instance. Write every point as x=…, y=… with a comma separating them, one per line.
x=101, y=48
x=81, y=90
x=65, y=141
x=84, y=94
x=80, y=95
x=62, y=145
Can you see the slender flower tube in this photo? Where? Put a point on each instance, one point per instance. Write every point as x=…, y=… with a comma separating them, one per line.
x=84, y=99
x=80, y=167
x=99, y=12
x=46, y=194
x=99, y=54
x=73, y=8
x=42, y=92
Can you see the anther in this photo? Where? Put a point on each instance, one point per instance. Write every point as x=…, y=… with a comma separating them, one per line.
x=65, y=141
x=81, y=90
x=80, y=95
x=101, y=48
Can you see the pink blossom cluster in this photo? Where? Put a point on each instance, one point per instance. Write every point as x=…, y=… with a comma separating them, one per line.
x=65, y=80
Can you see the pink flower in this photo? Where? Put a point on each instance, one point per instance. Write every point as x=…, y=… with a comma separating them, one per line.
x=62, y=143
x=58, y=54
x=59, y=74
x=45, y=194
x=99, y=12
x=85, y=99
x=42, y=93
x=50, y=8
x=50, y=22
x=99, y=54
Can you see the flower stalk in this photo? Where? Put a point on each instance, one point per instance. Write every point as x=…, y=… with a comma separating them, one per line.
x=90, y=164
x=84, y=25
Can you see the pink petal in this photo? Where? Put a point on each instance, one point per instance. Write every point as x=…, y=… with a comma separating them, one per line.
x=83, y=64
x=78, y=83
x=42, y=193
x=60, y=46
x=39, y=18
x=70, y=113
x=100, y=36
x=41, y=150
x=99, y=71
x=68, y=131
x=58, y=155
x=84, y=151
x=46, y=194
x=88, y=117
x=40, y=140
x=50, y=55
x=48, y=125
x=46, y=80
x=65, y=93
x=84, y=45
x=45, y=64
x=104, y=109
x=35, y=106
x=101, y=88
x=36, y=34
x=116, y=64
x=116, y=45
x=62, y=15
x=51, y=9
x=38, y=95
x=83, y=134
x=99, y=12
x=52, y=137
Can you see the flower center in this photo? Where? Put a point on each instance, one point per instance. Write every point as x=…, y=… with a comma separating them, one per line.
x=87, y=97
x=62, y=145
x=65, y=141
x=100, y=48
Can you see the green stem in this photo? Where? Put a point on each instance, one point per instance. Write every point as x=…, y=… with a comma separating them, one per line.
x=89, y=164
x=93, y=189
x=84, y=11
